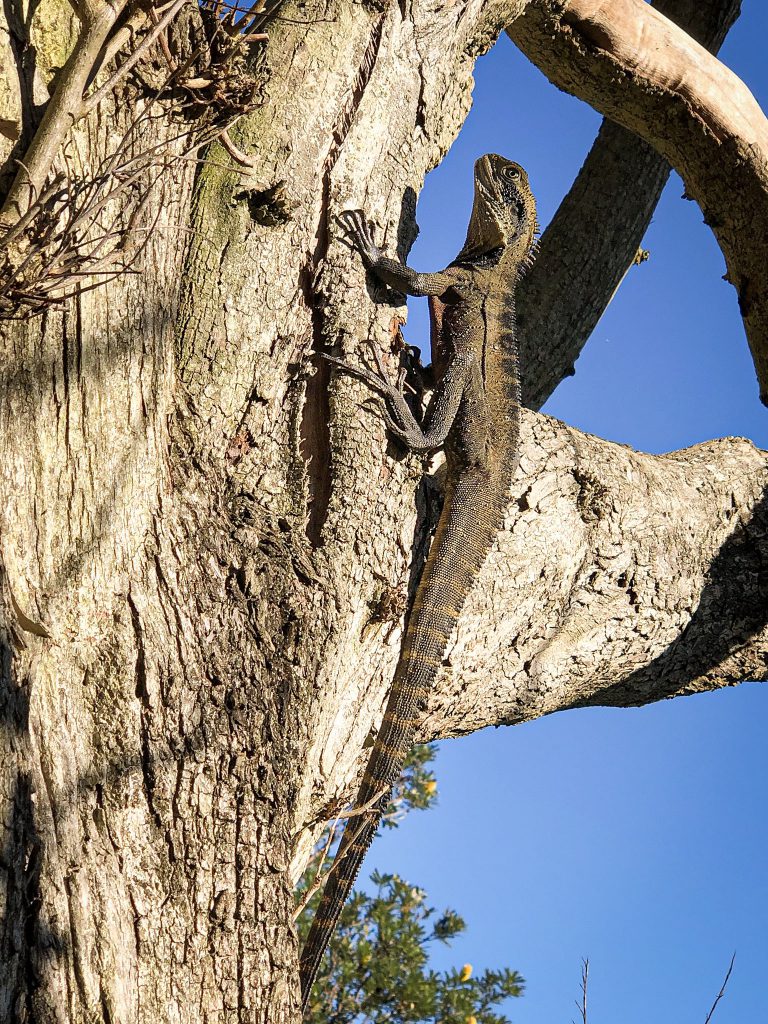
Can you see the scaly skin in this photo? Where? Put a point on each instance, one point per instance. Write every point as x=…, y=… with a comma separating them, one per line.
x=474, y=414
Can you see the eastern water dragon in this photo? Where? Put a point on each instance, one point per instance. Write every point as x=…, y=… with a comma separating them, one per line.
x=474, y=415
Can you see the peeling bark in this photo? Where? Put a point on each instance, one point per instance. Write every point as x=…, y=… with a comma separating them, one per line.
x=197, y=527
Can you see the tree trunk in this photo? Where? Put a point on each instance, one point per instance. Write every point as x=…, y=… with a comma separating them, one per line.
x=204, y=531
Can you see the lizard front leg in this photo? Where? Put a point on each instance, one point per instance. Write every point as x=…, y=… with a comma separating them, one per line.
x=398, y=416
x=391, y=272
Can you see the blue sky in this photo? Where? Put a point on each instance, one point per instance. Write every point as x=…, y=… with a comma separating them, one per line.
x=637, y=838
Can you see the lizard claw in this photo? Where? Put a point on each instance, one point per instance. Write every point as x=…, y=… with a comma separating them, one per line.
x=372, y=379
x=360, y=235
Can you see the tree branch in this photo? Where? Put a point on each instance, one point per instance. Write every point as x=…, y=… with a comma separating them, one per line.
x=582, y=1006
x=68, y=104
x=76, y=9
x=96, y=97
x=634, y=65
x=621, y=579
x=131, y=25
x=567, y=290
x=721, y=993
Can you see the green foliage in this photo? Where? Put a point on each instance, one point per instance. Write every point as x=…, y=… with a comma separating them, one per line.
x=416, y=789
x=376, y=971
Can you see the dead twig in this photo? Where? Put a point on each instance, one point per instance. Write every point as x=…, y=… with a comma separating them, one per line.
x=96, y=97
x=64, y=239
x=237, y=154
x=315, y=887
x=59, y=232
x=582, y=1007
x=320, y=880
x=131, y=25
x=722, y=990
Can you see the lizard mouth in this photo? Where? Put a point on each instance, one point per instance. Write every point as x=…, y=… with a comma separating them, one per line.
x=492, y=223
x=484, y=178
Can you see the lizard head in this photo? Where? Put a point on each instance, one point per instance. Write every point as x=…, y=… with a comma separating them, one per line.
x=504, y=210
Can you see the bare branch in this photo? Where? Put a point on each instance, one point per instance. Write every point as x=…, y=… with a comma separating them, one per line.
x=62, y=111
x=618, y=605
x=65, y=239
x=76, y=8
x=722, y=990
x=320, y=880
x=96, y=97
x=59, y=240
x=67, y=105
x=566, y=291
x=641, y=70
x=123, y=35
x=584, y=981
x=94, y=9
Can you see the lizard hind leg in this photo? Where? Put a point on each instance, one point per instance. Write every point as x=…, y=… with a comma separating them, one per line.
x=399, y=419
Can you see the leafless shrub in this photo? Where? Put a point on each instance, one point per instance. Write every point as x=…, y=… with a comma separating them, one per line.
x=81, y=231
x=66, y=232
x=581, y=1004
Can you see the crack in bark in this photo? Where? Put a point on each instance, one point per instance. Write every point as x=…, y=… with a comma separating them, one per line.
x=77, y=966
x=147, y=771
x=242, y=1000
x=32, y=900
x=23, y=896
x=315, y=435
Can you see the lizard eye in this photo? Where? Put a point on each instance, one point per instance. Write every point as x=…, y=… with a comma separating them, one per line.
x=511, y=173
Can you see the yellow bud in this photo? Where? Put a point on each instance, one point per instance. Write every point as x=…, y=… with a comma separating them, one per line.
x=466, y=974
x=430, y=787
x=471, y=1020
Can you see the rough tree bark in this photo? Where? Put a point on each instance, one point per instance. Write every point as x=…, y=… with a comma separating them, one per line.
x=200, y=524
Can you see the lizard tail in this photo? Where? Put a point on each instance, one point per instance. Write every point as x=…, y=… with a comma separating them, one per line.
x=458, y=550
x=358, y=836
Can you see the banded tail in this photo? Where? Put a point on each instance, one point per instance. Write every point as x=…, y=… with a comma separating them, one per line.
x=470, y=518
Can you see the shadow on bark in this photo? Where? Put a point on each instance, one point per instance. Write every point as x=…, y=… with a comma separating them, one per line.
x=407, y=228
x=732, y=610
x=92, y=364
x=26, y=943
